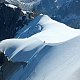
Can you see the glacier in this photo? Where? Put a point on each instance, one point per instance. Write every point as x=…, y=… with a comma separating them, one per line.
x=50, y=49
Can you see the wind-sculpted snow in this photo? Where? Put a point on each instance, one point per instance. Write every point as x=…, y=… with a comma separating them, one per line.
x=51, y=52
x=51, y=31
x=15, y=48
x=61, y=62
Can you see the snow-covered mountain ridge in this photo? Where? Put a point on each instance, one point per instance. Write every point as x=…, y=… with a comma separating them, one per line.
x=50, y=51
x=43, y=30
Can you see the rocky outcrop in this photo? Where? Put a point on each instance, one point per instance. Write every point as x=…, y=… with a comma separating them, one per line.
x=9, y=68
x=11, y=20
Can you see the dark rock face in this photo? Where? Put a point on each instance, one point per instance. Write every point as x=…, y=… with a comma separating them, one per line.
x=9, y=21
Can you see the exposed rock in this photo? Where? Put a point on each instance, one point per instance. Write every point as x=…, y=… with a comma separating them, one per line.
x=11, y=21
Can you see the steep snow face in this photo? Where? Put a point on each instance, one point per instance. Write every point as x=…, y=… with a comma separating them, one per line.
x=42, y=30
x=46, y=61
x=15, y=48
x=48, y=30
x=61, y=62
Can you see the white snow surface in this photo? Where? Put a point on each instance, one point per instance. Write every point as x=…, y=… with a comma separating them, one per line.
x=20, y=49
x=50, y=48
x=61, y=62
x=52, y=32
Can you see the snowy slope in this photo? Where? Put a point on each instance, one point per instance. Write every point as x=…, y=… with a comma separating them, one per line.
x=48, y=30
x=15, y=48
x=61, y=62
x=36, y=44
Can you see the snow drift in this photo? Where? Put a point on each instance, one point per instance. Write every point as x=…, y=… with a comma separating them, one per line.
x=50, y=48
x=48, y=30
